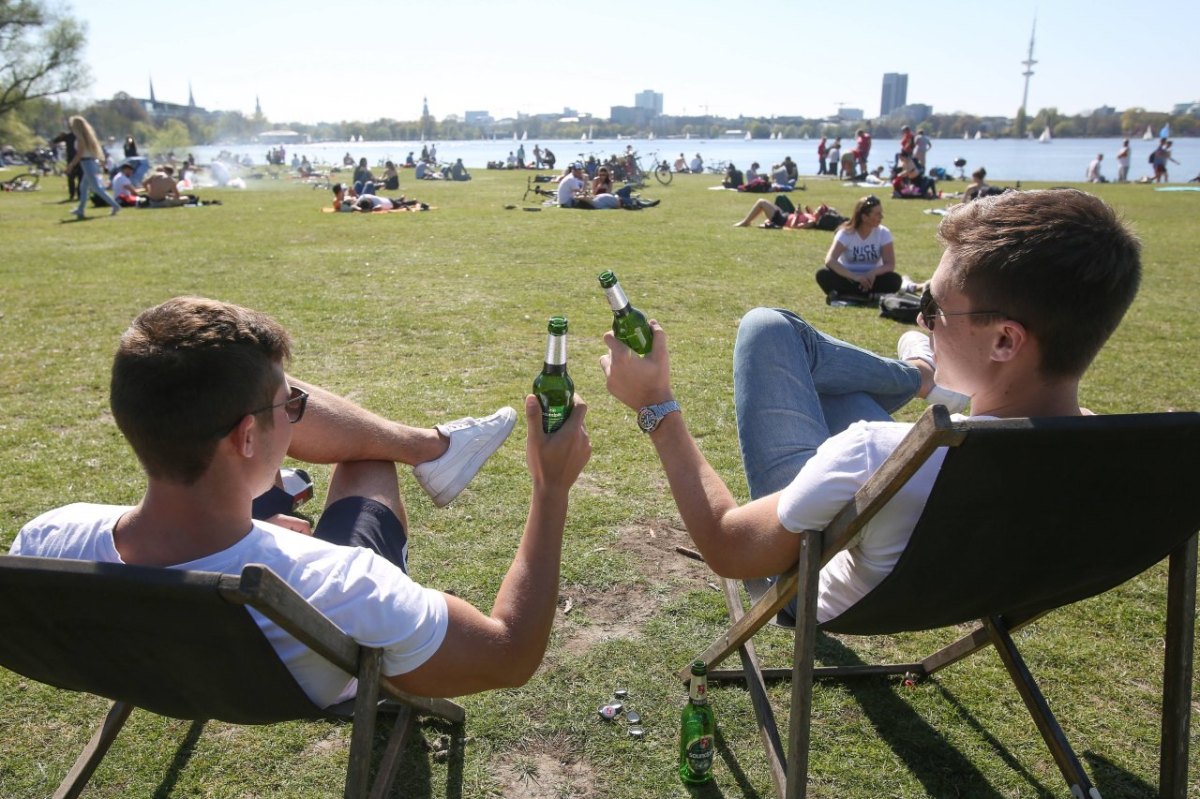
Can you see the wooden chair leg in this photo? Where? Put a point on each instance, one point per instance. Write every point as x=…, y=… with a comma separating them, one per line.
x=1177, y=672
x=809, y=571
x=77, y=778
x=362, y=736
x=389, y=764
x=768, y=728
x=1056, y=740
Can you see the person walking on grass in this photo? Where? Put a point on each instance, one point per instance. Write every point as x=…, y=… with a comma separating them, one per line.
x=88, y=155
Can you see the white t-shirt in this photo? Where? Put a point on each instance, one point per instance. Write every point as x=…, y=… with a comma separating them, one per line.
x=829, y=480
x=367, y=597
x=862, y=255
x=566, y=190
x=121, y=184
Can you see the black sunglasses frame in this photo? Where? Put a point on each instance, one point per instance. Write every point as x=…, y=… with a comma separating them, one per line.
x=928, y=310
x=294, y=406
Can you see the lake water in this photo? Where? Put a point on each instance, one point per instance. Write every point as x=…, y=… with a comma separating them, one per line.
x=1005, y=159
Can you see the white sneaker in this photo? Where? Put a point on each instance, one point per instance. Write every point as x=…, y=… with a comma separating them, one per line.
x=910, y=286
x=914, y=346
x=472, y=442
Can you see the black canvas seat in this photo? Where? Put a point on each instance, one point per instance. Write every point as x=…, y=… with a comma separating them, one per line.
x=1026, y=515
x=182, y=644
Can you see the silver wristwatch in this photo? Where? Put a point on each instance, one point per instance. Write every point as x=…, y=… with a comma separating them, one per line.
x=649, y=417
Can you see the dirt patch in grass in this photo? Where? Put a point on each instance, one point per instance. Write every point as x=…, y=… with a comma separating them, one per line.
x=545, y=770
x=591, y=615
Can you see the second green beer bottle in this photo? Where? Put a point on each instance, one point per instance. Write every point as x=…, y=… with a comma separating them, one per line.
x=629, y=324
x=697, y=730
x=553, y=387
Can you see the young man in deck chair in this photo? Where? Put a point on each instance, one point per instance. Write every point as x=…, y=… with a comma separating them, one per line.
x=199, y=391
x=1030, y=287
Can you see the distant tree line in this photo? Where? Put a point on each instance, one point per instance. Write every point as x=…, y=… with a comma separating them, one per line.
x=40, y=119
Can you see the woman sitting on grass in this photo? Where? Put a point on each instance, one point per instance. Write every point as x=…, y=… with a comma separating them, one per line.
x=861, y=260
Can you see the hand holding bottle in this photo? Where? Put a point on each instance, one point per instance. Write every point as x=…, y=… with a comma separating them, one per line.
x=638, y=381
x=555, y=460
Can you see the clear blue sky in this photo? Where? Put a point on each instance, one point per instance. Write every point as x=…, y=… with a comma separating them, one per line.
x=313, y=60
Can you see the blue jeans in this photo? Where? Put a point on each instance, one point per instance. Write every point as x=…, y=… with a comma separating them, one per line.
x=794, y=387
x=90, y=184
x=361, y=188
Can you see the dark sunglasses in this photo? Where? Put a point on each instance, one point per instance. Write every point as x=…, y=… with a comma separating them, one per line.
x=929, y=310
x=293, y=406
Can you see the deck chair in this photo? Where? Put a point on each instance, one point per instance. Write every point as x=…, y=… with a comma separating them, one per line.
x=1088, y=503
x=182, y=644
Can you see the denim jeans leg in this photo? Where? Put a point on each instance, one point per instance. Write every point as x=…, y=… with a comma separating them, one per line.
x=794, y=387
x=91, y=184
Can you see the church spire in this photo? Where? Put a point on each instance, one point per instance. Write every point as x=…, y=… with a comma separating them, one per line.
x=191, y=98
x=152, y=90
x=257, y=107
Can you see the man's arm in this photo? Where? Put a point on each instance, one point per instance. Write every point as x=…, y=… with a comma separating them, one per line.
x=737, y=542
x=504, y=649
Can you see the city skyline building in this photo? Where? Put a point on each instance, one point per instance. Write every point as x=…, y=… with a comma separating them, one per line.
x=895, y=92
x=650, y=100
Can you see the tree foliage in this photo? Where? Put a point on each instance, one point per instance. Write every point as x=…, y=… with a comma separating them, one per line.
x=41, y=53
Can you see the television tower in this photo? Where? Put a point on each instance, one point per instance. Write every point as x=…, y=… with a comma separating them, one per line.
x=1028, y=64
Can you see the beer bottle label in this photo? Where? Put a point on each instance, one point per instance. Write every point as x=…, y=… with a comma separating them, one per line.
x=700, y=754
x=553, y=417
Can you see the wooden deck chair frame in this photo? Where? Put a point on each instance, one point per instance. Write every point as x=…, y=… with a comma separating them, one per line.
x=933, y=430
x=136, y=622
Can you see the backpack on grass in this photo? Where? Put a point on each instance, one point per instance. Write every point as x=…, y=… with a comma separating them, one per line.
x=902, y=307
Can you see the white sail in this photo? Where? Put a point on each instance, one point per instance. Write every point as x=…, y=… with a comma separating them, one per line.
x=524, y=135
x=1149, y=134
x=966, y=135
x=979, y=134
x=1046, y=138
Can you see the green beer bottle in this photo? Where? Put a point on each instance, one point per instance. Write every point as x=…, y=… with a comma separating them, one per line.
x=553, y=387
x=629, y=324
x=697, y=730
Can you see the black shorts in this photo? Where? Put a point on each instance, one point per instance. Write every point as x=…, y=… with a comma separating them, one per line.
x=779, y=219
x=349, y=522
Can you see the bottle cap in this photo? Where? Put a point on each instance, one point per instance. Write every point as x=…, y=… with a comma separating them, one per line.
x=633, y=717
x=637, y=732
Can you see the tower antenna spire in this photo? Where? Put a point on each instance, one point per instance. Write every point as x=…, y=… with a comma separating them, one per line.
x=1028, y=64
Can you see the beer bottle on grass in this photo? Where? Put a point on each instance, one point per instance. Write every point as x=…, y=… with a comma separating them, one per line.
x=553, y=387
x=629, y=324
x=698, y=730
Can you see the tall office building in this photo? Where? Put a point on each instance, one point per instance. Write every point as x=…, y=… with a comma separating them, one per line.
x=650, y=100
x=895, y=92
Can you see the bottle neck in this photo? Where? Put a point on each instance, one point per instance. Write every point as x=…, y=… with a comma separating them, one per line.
x=698, y=692
x=616, y=298
x=556, y=351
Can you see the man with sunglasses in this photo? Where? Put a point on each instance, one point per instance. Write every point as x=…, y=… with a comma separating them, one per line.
x=200, y=393
x=1029, y=288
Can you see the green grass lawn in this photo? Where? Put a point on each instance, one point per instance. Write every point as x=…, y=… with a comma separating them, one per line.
x=426, y=317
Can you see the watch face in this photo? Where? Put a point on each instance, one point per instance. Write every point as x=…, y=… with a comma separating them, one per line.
x=647, y=419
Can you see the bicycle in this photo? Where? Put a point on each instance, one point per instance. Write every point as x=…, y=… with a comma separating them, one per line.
x=21, y=183
x=660, y=169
